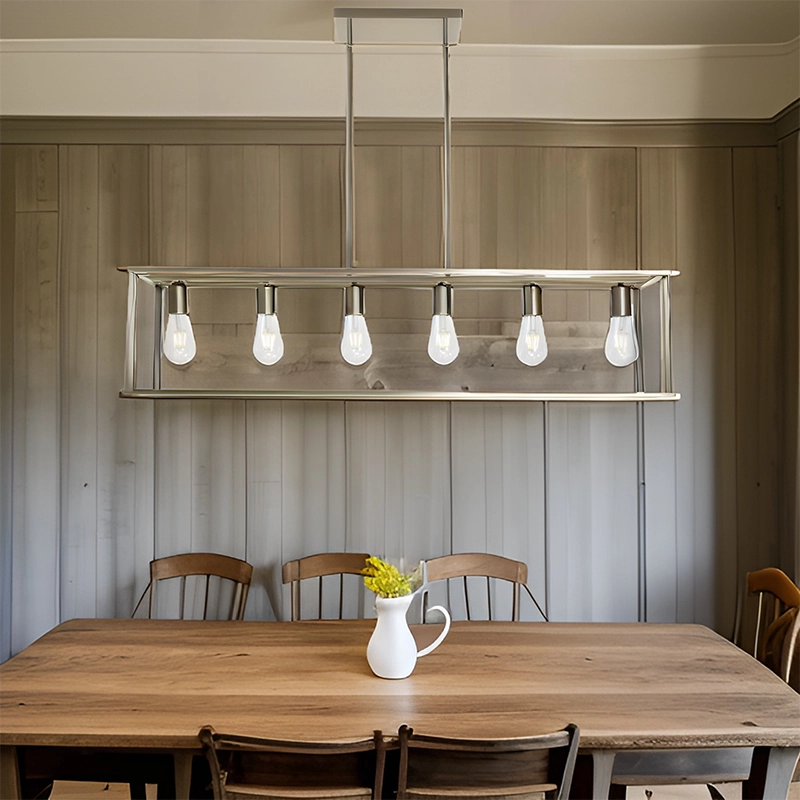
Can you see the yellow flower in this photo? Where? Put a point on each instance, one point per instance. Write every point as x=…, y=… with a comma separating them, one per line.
x=385, y=579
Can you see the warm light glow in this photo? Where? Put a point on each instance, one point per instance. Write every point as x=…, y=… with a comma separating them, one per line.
x=443, y=343
x=179, y=344
x=622, y=346
x=531, y=343
x=268, y=342
x=356, y=345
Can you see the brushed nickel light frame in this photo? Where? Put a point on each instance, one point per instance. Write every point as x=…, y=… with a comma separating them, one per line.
x=159, y=279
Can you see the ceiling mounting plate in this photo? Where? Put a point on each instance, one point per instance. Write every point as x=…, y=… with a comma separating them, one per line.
x=425, y=26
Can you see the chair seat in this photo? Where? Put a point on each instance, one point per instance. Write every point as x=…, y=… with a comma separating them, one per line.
x=536, y=792
x=246, y=792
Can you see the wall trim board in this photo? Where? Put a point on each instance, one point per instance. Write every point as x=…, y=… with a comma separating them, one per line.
x=788, y=121
x=394, y=132
x=7, y=245
x=238, y=78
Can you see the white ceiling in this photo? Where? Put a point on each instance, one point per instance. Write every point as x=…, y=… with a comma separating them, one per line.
x=576, y=22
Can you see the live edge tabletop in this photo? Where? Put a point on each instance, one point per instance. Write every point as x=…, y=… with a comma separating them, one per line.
x=153, y=684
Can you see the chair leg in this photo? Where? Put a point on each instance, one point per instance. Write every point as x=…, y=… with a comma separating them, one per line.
x=138, y=791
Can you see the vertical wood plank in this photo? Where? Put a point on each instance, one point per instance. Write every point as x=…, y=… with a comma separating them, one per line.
x=124, y=428
x=704, y=338
x=79, y=203
x=311, y=225
x=313, y=489
x=758, y=342
x=36, y=473
x=601, y=220
x=498, y=493
x=8, y=220
x=658, y=222
x=788, y=151
x=398, y=492
x=264, y=510
x=37, y=177
x=592, y=512
x=311, y=206
x=218, y=469
x=168, y=205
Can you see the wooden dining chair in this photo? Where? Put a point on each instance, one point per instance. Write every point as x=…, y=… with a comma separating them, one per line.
x=203, y=565
x=777, y=622
x=273, y=769
x=483, y=565
x=525, y=767
x=321, y=566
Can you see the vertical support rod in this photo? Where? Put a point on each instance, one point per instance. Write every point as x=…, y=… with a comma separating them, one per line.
x=446, y=150
x=129, y=379
x=641, y=478
x=348, y=155
x=158, y=334
x=666, y=335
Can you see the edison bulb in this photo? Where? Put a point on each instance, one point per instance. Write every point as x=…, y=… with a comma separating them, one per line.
x=443, y=343
x=356, y=346
x=531, y=342
x=268, y=342
x=622, y=346
x=179, y=344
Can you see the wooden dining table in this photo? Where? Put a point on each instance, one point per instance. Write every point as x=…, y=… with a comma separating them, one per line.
x=109, y=690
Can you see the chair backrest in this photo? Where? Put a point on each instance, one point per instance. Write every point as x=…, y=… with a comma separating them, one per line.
x=778, y=620
x=485, y=565
x=205, y=565
x=319, y=566
x=249, y=764
x=484, y=767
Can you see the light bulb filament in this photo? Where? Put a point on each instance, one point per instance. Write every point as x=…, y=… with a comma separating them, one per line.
x=268, y=341
x=356, y=339
x=532, y=341
x=442, y=336
x=179, y=340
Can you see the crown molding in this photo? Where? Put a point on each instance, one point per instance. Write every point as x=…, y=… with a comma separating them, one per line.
x=259, y=79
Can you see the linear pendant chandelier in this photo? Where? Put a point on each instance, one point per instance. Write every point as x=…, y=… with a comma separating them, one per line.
x=170, y=286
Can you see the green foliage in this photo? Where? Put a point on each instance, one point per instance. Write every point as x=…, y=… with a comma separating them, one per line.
x=385, y=579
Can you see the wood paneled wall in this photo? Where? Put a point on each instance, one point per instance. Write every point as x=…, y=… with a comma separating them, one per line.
x=100, y=485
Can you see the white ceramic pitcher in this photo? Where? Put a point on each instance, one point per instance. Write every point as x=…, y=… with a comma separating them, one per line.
x=392, y=651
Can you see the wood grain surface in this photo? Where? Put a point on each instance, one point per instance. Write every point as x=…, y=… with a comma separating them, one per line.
x=151, y=683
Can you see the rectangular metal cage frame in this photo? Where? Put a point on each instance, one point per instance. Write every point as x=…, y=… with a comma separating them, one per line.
x=161, y=277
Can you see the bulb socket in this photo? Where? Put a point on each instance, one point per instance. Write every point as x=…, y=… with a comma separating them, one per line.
x=266, y=299
x=354, y=300
x=443, y=299
x=621, y=301
x=178, y=298
x=531, y=300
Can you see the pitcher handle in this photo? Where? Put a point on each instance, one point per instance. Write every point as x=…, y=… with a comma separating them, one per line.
x=440, y=638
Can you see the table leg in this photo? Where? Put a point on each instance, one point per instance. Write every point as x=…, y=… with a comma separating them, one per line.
x=183, y=773
x=9, y=773
x=771, y=773
x=603, y=767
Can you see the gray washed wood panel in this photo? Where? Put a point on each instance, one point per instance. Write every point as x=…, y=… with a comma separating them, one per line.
x=78, y=184
x=8, y=223
x=704, y=339
x=313, y=489
x=658, y=223
x=592, y=508
x=125, y=442
x=36, y=467
x=788, y=151
x=498, y=465
x=265, y=509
